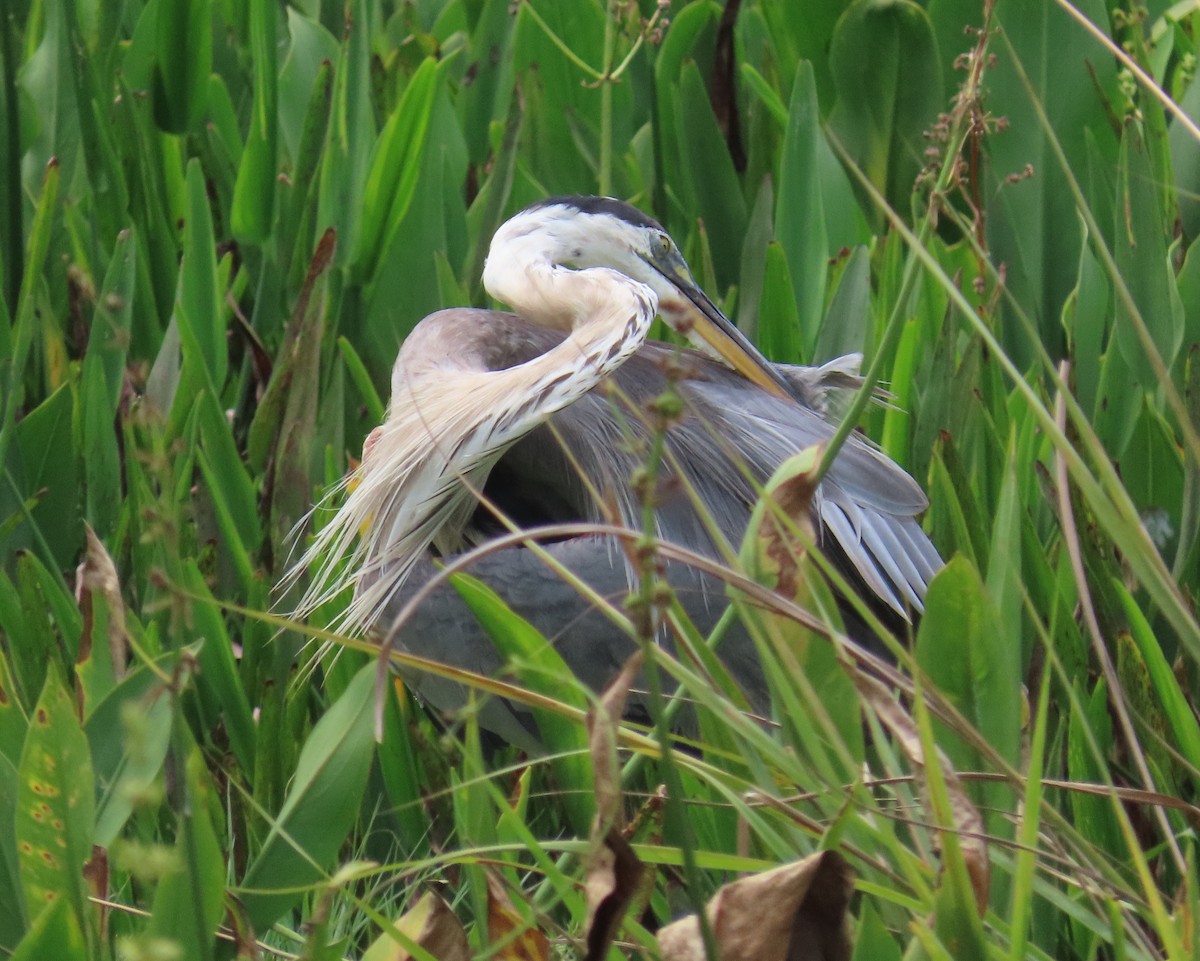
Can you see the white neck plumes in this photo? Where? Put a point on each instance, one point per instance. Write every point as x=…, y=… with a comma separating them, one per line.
x=450, y=418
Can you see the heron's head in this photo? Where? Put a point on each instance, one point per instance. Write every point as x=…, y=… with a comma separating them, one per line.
x=581, y=232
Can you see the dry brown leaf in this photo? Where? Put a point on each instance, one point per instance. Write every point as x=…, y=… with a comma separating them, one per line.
x=796, y=912
x=602, y=721
x=613, y=880
x=95, y=873
x=613, y=872
x=782, y=524
x=968, y=823
x=429, y=923
x=97, y=575
x=517, y=939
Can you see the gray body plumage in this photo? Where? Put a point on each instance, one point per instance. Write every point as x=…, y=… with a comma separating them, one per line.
x=730, y=439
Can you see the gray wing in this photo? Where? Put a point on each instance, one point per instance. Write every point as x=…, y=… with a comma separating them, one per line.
x=731, y=439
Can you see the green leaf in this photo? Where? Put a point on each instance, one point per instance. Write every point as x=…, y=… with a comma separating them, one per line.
x=779, y=324
x=716, y=194
x=889, y=86
x=1185, y=161
x=285, y=422
x=50, y=467
x=198, y=311
x=320, y=807
x=101, y=456
x=687, y=26
x=392, y=179
x=487, y=212
x=55, y=804
x=1086, y=317
x=12, y=904
x=844, y=330
x=1089, y=745
x=362, y=381
x=351, y=134
x=950, y=641
x=55, y=933
x=188, y=903
x=25, y=323
x=229, y=475
x=13, y=720
x=406, y=284
x=759, y=233
x=182, y=64
x=104, y=644
x=799, y=213
x=873, y=942
x=825, y=727
x=1141, y=255
x=540, y=668
x=971, y=664
x=1032, y=224
x=897, y=417
x=1168, y=695
x=217, y=681
x=129, y=733
x=109, y=340
x=490, y=51
x=254, y=192
x=1001, y=654
x=298, y=199
x=34, y=645
x=312, y=51
x=404, y=779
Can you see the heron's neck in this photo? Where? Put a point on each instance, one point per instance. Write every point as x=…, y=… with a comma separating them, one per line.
x=606, y=313
x=520, y=274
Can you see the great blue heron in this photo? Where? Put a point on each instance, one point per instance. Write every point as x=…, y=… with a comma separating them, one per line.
x=503, y=403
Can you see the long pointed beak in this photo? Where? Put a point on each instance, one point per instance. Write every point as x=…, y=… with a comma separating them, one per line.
x=717, y=331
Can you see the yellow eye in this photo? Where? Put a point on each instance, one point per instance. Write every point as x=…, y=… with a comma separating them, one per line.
x=664, y=245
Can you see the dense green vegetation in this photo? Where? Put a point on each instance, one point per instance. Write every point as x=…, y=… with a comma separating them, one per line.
x=220, y=218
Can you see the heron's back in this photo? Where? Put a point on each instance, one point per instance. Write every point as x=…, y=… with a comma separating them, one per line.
x=730, y=438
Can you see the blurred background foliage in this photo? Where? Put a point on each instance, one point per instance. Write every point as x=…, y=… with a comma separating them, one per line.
x=220, y=218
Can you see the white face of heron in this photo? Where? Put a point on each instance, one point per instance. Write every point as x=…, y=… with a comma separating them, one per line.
x=564, y=235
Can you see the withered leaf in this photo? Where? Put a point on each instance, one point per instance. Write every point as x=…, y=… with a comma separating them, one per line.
x=510, y=936
x=602, y=721
x=614, y=871
x=96, y=578
x=796, y=912
x=613, y=880
x=781, y=525
x=429, y=923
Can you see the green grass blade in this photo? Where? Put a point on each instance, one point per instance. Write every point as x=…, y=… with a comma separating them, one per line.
x=321, y=805
x=182, y=65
